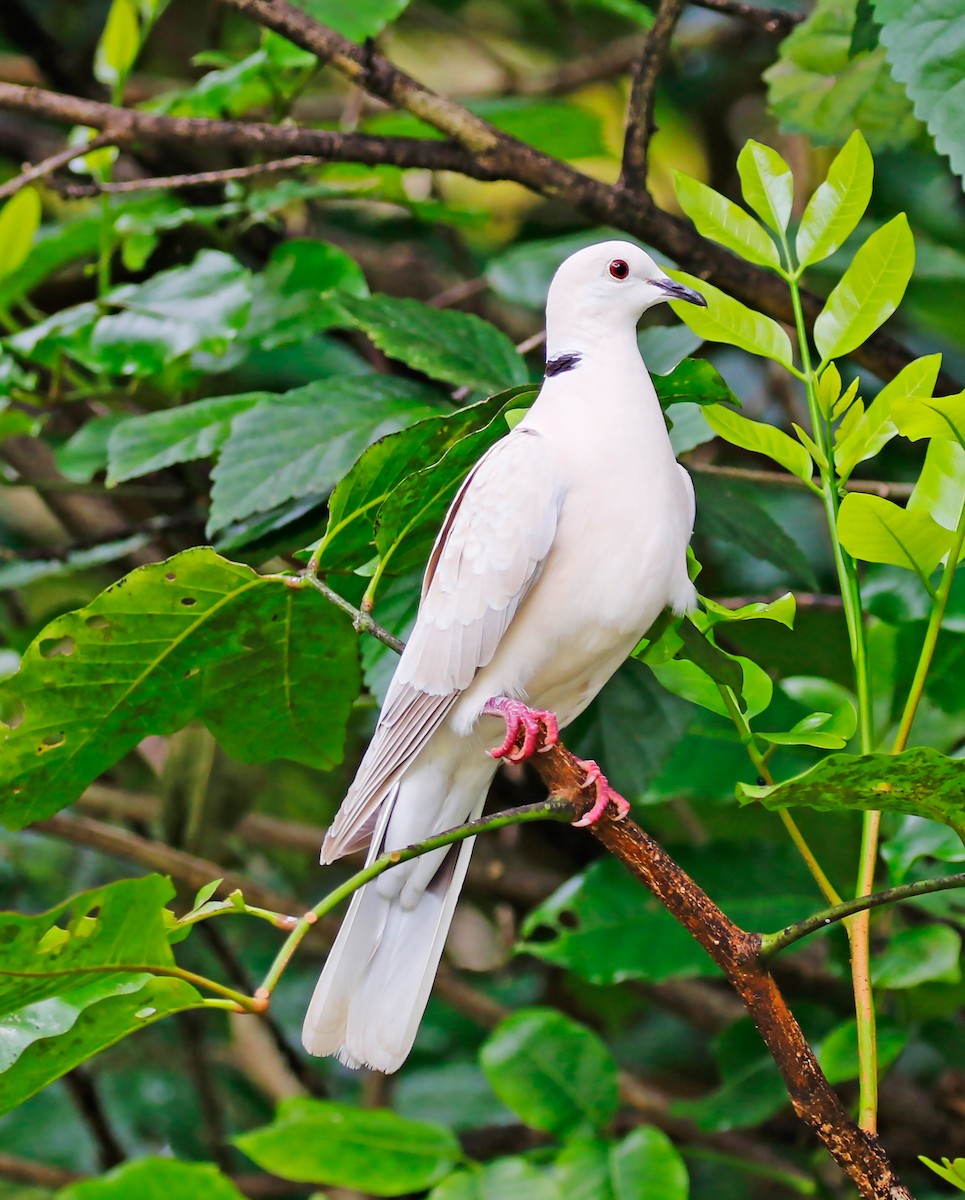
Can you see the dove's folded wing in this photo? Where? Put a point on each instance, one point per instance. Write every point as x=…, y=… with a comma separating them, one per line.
x=488, y=555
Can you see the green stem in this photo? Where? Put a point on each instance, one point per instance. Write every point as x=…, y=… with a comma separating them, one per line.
x=773, y=943
x=931, y=637
x=759, y=760
x=557, y=810
x=226, y=907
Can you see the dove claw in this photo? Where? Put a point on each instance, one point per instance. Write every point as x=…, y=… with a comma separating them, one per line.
x=605, y=795
x=538, y=727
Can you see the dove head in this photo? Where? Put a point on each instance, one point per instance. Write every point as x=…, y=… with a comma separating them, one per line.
x=601, y=292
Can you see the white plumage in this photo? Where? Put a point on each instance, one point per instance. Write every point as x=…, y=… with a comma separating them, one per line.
x=563, y=545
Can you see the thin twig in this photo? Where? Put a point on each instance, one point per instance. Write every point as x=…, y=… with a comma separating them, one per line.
x=83, y=1092
x=641, y=125
x=875, y=487
x=195, y=179
x=771, y=20
x=361, y=620
x=54, y=163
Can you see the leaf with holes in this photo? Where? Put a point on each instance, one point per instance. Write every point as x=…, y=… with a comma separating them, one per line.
x=869, y=291
x=150, y=654
x=727, y=320
x=302, y=444
x=923, y=40
x=57, y=1006
x=838, y=204
x=556, y=1074
x=723, y=221
x=368, y=1149
x=878, y=530
x=767, y=184
x=455, y=347
x=919, y=783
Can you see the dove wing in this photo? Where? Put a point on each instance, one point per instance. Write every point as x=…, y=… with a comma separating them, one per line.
x=489, y=553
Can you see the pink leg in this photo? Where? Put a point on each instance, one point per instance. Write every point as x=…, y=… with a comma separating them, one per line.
x=604, y=795
x=535, y=724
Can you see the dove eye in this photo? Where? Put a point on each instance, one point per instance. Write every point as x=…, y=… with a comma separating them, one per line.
x=619, y=269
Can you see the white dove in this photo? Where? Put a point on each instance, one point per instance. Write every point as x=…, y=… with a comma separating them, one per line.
x=563, y=545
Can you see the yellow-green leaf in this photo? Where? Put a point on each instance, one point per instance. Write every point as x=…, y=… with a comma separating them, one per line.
x=727, y=320
x=119, y=44
x=19, y=221
x=838, y=204
x=761, y=439
x=767, y=183
x=722, y=221
x=876, y=530
x=931, y=417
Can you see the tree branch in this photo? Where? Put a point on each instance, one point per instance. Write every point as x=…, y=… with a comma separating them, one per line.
x=771, y=20
x=196, y=179
x=48, y=165
x=640, y=125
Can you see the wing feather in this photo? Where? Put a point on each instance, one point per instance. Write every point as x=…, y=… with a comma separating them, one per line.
x=489, y=553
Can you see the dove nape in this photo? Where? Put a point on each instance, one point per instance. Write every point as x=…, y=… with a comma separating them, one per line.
x=563, y=545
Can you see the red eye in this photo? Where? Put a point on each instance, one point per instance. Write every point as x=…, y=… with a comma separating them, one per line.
x=619, y=269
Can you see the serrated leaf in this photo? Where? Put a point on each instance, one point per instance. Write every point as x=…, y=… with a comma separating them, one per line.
x=369, y=1149
x=839, y=203
x=869, y=291
x=923, y=40
x=302, y=445
x=458, y=348
x=155, y=1178
x=761, y=439
x=19, y=222
x=352, y=507
x=722, y=221
x=918, y=782
x=878, y=530
x=149, y=655
x=56, y=1007
x=767, y=183
x=818, y=89
x=727, y=320
x=556, y=1074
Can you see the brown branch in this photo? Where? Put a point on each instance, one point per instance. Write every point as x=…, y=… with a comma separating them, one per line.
x=504, y=159
x=48, y=165
x=35, y=1174
x=877, y=487
x=86, y=1098
x=196, y=179
x=641, y=125
x=771, y=20
x=860, y=1155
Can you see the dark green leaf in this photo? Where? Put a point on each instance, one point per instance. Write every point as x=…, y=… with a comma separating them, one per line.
x=923, y=40
x=522, y=274
x=919, y=782
x=368, y=1149
x=301, y=446
x=456, y=347
x=557, y=1075
x=14, y=573
x=155, y=1179
x=926, y=954
x=693, y=381
x=148, y=655
x=646, y=1163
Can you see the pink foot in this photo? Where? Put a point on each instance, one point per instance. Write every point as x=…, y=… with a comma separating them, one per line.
x=604, y=795
x=534, y=724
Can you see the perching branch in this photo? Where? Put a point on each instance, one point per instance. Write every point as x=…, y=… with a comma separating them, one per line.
x=771, y=20
x=774, y=943
x=640, y=120
x=53, y=163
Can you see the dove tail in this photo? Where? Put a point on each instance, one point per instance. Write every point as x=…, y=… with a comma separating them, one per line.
x=374, y=988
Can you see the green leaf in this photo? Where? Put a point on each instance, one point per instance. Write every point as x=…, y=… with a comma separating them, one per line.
x=878, y=530
x=827, y=731
x=369, y=1149
x=17, y=572
x=56, y=1007
x=869, y=291
x=665, y=347
x=159, y=649
x=301, y=446
x=923, y=40
x=19, y=222
x=384, y=464
x=929, y=953
x=877, y=426
x=504, y=1179
x=155, y=1178
x=119, y=43
x=931, y=417
x=839, y=203
x=410, y=517
x=723, y=221
x=357, y=21
x=557, y=1075
x=523, y=273
x=761, y=439
x=727, y=320
x=916, y=838
x=782, y=610
x=919, y=782
x=693, y=381
x=644, y=1164
x=818, y=89
x=838, y=1051
x=767, y=183
x=951, y=1172
x=455, y=347
x=938, y=490
x=692, y=682
x=728, y=511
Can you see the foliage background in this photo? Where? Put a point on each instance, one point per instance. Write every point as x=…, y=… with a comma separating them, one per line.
x=248, y=329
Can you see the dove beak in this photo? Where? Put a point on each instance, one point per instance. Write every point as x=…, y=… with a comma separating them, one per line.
x=677, y=291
